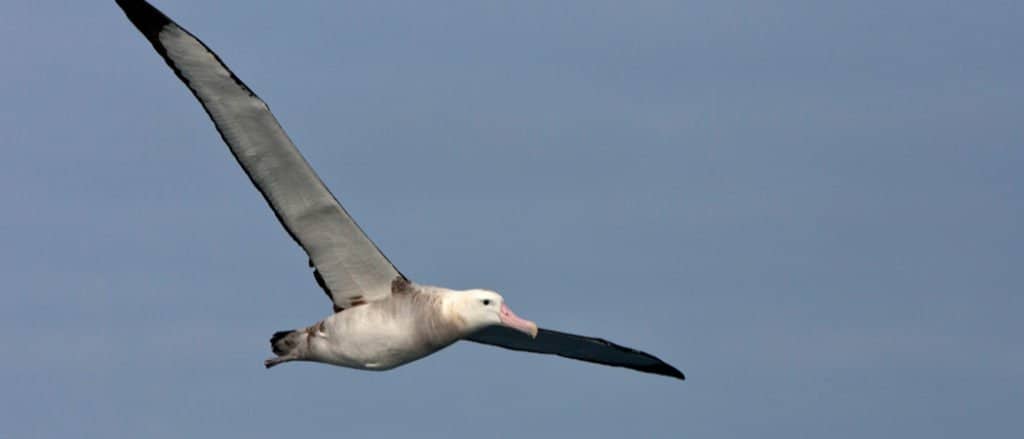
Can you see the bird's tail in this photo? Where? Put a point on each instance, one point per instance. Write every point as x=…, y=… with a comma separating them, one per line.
x=287, y=345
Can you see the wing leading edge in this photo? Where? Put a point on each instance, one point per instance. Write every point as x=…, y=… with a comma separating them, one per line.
x=577, y=347
x=348, y=265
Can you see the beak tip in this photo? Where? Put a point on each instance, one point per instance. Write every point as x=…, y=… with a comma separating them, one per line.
x=509, y=319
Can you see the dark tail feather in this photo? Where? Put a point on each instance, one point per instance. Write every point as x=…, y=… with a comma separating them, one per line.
x=279, y=342
x=285, y=345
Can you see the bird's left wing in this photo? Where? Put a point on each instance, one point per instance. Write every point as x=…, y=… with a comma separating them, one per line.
x=347, y=264
x=577, y=347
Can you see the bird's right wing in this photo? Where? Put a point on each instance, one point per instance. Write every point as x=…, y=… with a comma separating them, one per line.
x=347, y=264
x=577, y=347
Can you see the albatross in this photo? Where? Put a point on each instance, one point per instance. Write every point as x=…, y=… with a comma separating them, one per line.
x=381, y=319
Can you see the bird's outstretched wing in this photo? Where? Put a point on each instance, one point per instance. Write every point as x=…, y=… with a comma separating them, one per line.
x=349, y=267
x=577, y=347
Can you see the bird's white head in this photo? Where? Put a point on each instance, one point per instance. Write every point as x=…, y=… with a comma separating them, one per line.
x=479, y=309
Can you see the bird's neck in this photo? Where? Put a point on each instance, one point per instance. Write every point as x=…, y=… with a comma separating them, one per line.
x=449, y=303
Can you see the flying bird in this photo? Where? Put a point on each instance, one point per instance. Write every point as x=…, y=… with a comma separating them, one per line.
x=381, y=319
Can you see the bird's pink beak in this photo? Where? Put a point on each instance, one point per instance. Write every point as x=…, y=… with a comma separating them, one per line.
x=510, y=319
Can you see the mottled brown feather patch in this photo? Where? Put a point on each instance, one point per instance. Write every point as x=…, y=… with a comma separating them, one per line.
x=315, y=329
x=400, y=285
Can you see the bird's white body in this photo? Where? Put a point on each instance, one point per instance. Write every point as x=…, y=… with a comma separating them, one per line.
x=413, y=322
x=384, y=334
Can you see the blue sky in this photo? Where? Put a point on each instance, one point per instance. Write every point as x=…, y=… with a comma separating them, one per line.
x=813, y=209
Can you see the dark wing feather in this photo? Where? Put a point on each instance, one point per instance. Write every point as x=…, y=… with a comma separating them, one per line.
x=577, y=347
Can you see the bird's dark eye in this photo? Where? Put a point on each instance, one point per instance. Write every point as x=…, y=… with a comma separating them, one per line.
x=486, y=302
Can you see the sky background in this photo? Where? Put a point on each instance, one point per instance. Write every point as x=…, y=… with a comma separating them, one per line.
x=813, y=209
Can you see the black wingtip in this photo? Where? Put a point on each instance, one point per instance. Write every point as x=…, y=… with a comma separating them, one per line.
x=149, y=20
x=669, y=370
x=662, y=368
